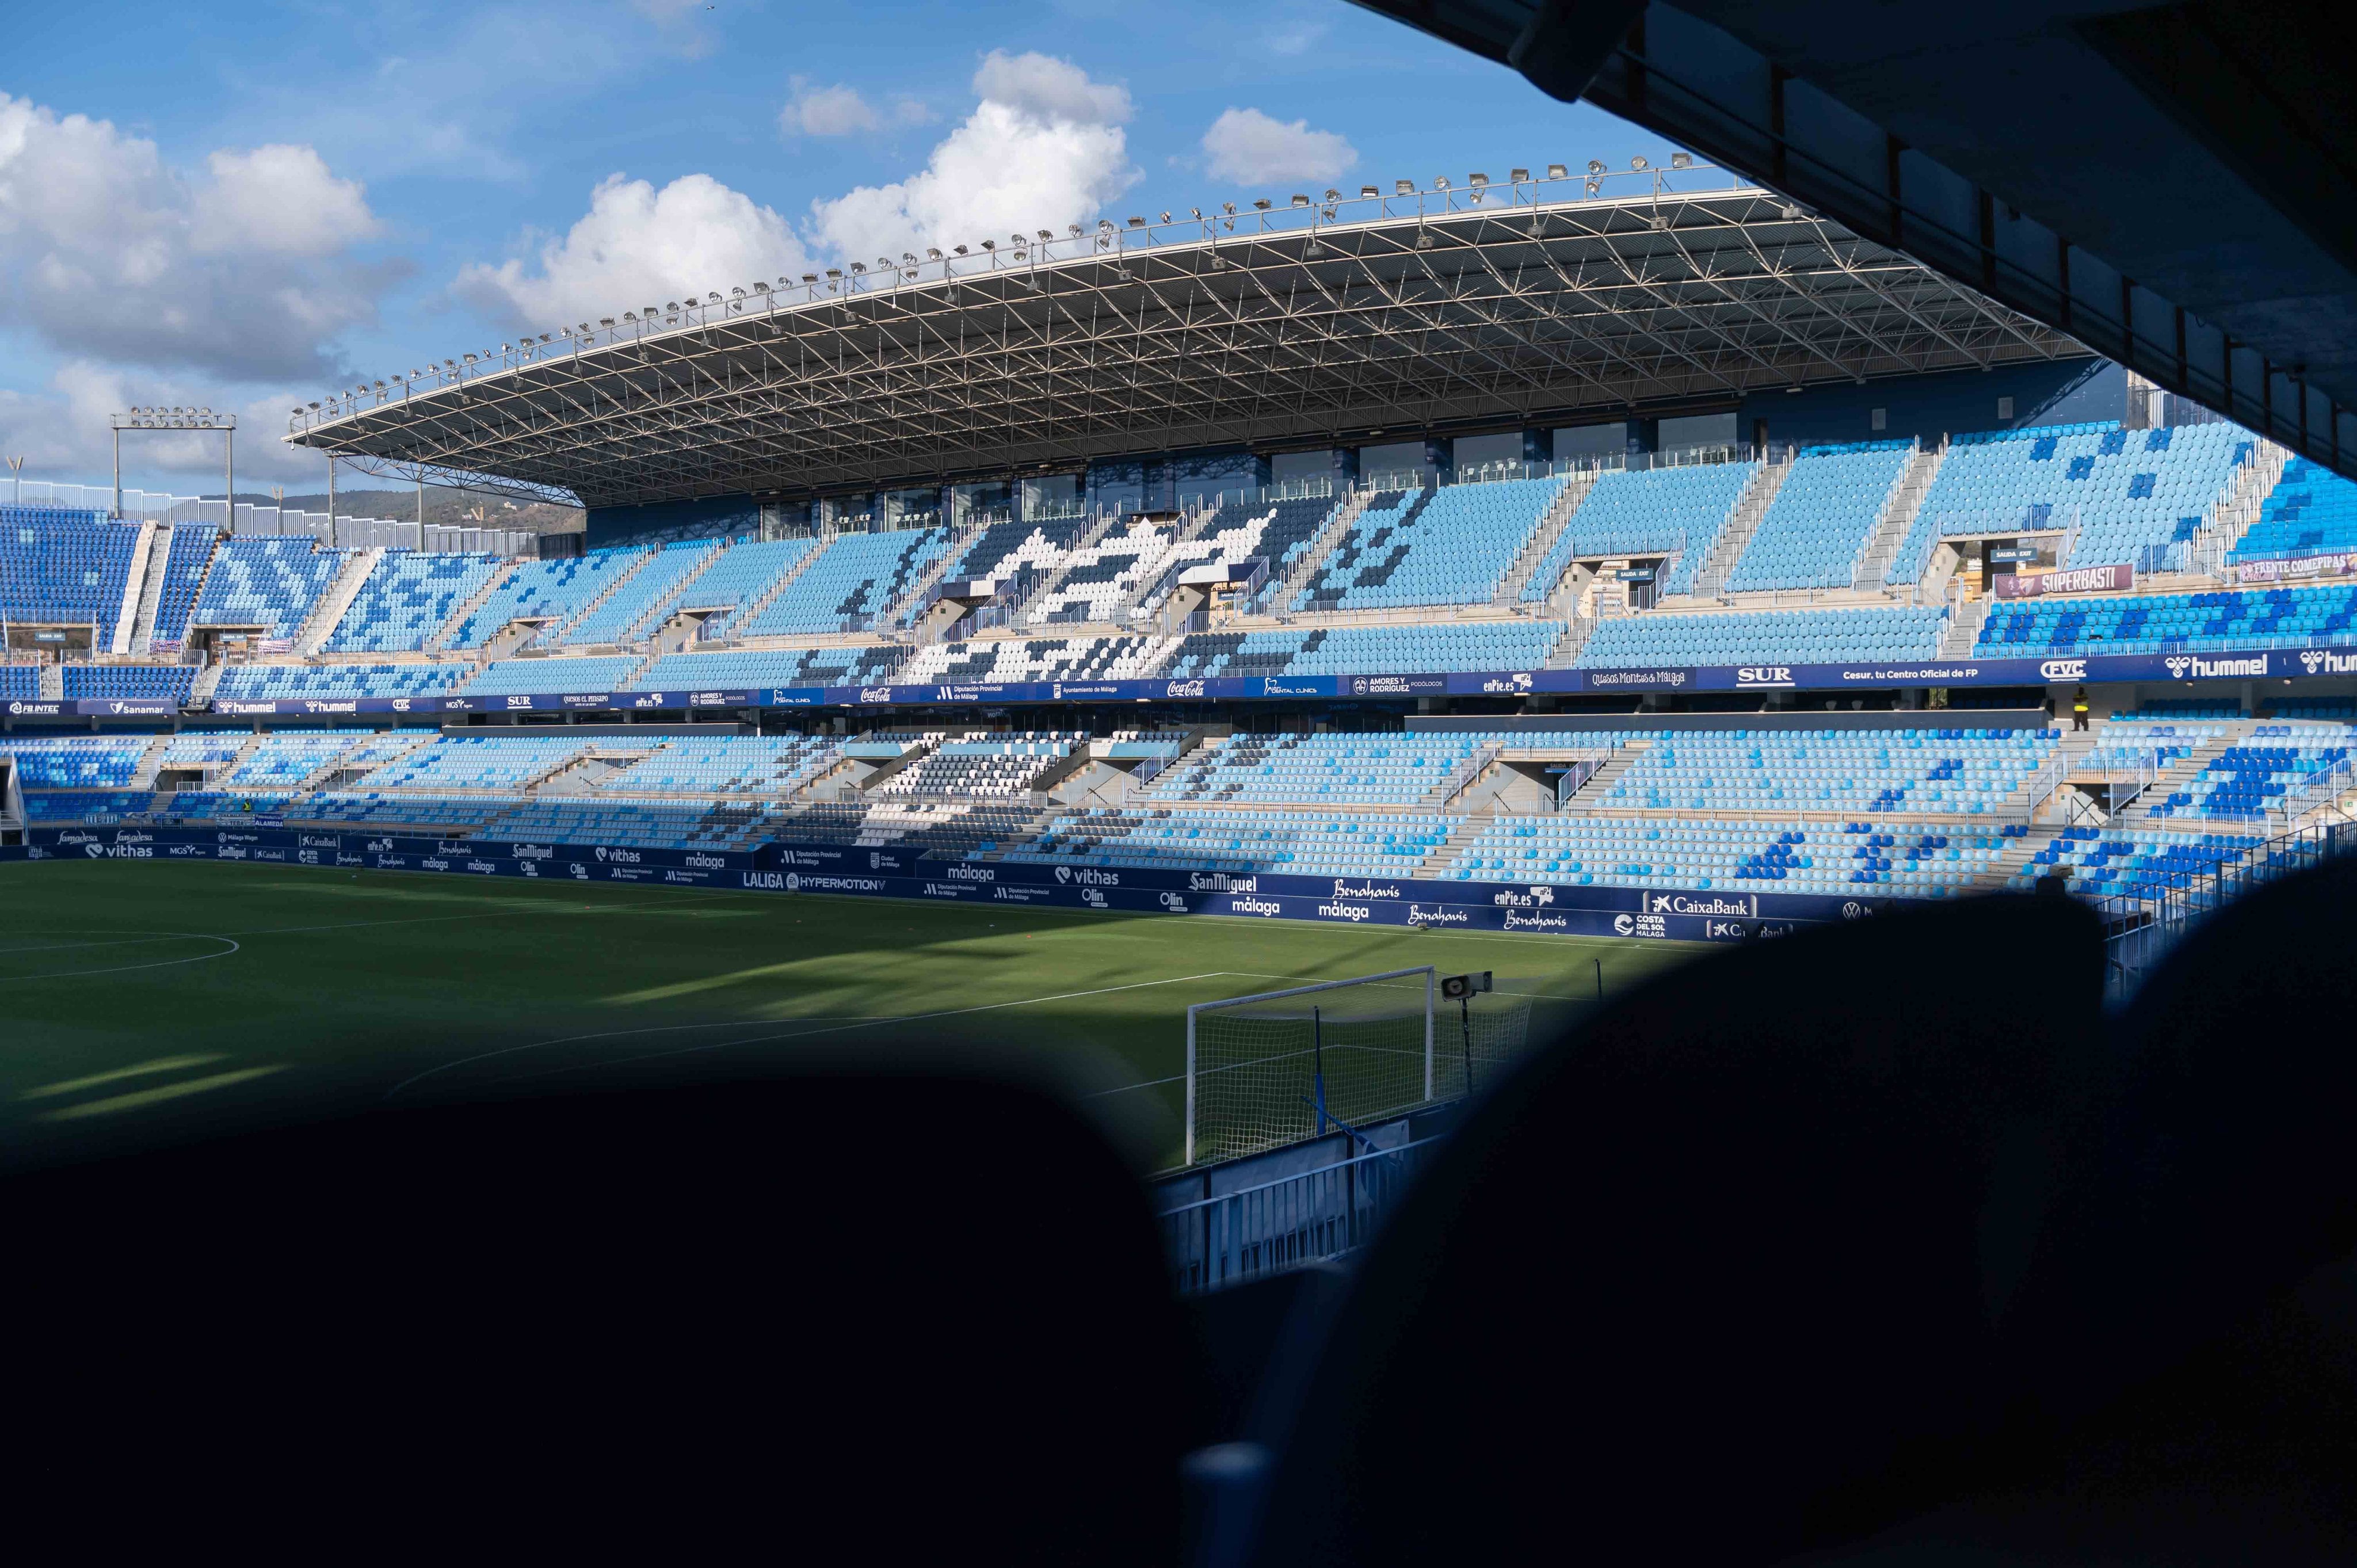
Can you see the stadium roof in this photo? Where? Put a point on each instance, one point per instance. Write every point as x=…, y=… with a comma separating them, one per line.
x=1555, y=300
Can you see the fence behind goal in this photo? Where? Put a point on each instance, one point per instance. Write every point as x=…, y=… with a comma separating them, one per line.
x=1284, y=1066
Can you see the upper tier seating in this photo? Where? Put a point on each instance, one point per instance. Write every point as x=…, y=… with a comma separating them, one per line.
x=2133, y=495
x=548, y=677
x=1293, y=843
x=1099, y=581
x=407, y=597
x=1006, y=553
x=856, y=577
x=982, y=765
x=1289, y=532
x=1913, y=861
x=167, y=681
x=712, y=765
x=1651, y=512
x=618, y=618
x=184, y=576
x=634, y=824
x=74, y=761
x=2311, y=512
x=1453, y=545
x=271, y=682
x=740, y=577
x=1818, y=524
x=274, y=584
x=762, y=668
x=476, y=762
x=551, y=591
x=1235, y=533
x=1318, y=769
x=60, y=567
x=2136, y=862
x=2165, y=623
x=1038, y=658
x=1927, y=772
x=1369, y=649
x=1795, y=636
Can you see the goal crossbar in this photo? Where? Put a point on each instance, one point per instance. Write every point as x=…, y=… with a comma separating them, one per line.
x=1196, y=1009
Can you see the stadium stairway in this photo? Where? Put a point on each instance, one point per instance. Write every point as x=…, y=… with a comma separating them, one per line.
x=2234, y=513
x=1551, y=527
x=2180, y=774
x=328, y=613
x=655, y=613
x=1882, y=541
x=1758, y=495
x=52, y=683
x=148, y=567
x=1105, y=524
x=592, y=608
x=201, y=690
x=146, y=564
x=142, y=775
x=1964, y=633
x=904, y=610
x=439, y=642
x=752, y=610
x=1313, y=555
x=1590, y=795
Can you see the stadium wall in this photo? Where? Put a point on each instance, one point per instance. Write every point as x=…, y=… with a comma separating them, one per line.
x=664, y=522
x=1952, y=403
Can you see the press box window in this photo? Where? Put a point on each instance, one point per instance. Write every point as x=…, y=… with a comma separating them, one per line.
x=1879, y=419
x=2004, y=408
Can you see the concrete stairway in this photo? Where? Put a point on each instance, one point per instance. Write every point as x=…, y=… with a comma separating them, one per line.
x=52, y=686
x=147, y=565
x=1278, y=600
x=325, y=616
x=151, y=762
x=1964, y=633
x=440, y=641
x=1758, y=496
x=1590, y=795
x=1883, y=541
x=1558, y=518
x=158, y=557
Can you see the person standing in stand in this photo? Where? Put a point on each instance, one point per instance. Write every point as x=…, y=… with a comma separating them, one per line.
x=2079, y=709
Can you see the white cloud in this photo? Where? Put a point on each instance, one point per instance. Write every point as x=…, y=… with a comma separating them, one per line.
x=1043, y=148
x=246, y=274
x=280, y=199
x=840, y=110
x=638, y=245
x=1249, y=147
x=61, y=431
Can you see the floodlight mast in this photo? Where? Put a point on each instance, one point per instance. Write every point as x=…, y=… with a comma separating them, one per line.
x=176, y=418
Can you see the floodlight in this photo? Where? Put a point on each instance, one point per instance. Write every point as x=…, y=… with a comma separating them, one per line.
x=1228, y=208
x=290, y=410
x=907, y=258
x=1165, y=217
x=1046, y=235
x=933, y=254
x=1682, y=160
x=604, y=321
x=715, y=299
x=760, y=288
x=733, y=294
x=1593, y=187
x=959, y=248
x=1518, y=175
x=990, y=244
x=1299, y=199
x=1639, y=162
x=1332, y=195
x=1403, y=188
x=468, y=358
x=314, y=406
x=1557, y=171
x=1262, y=205
x=1368, y=191
x=1595, y=165
x=833, y=272
x=1135, y=221
x=860, y=267
x=630, y=315
x=1477, y=180
x=1195, y=212
x=673, y=305
x=650, y=310
x=810, y=278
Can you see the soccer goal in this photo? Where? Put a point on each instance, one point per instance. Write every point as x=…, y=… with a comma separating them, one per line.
x=1283, y=1065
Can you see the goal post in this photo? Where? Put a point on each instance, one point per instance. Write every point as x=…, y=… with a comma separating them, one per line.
x=1280, y=1067
x=1277, y=1067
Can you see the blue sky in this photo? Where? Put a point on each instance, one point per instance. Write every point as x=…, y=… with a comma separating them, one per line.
x=245, y=206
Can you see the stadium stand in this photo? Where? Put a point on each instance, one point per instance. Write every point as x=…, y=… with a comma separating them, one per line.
x=2166, y=623
x=1813, y=532
x=548, y=591
x=407, y=597
x=198, y=749
x=1038, y=658
x=477, y=762
x=170, y=682
x=983, y=766
x=1910, y=859
x=1096, y=582
x=1854, y=636
x=515, y=677
x=2311, y=512
x=756, y=764
x=948, y=829
x=1674, y=511
x=2133, y=496
x=1293, y=843
x=75, y=761
x=20, y=682
x=1005, y=551
x=743, y=576
x=1336, y=770
x=633, y=824
x=1368, y=650
x=284, y=760
x=269, y=582
x=1453, y=545
x=2278, y=771
x=637, y=597
x=60, y=567
x=269, y=683
x=771, y=666
x=1936, y=771
x=855, y=578
x=2135, y=861
x=184, y=575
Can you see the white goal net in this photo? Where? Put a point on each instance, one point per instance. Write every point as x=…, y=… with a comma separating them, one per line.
x=1283, y=1065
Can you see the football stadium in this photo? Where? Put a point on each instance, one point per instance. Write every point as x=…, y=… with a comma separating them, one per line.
x=1267, y=674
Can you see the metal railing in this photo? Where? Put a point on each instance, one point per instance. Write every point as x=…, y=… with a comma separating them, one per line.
x=2142, y=930
x=1288, y=1223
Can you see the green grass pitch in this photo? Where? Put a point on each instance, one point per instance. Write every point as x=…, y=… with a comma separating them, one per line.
x=147, y=1000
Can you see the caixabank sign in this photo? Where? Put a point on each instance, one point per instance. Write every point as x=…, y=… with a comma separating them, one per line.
x=840, y=870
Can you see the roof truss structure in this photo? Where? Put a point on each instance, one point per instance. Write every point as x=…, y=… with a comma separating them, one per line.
x=1551, y=312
